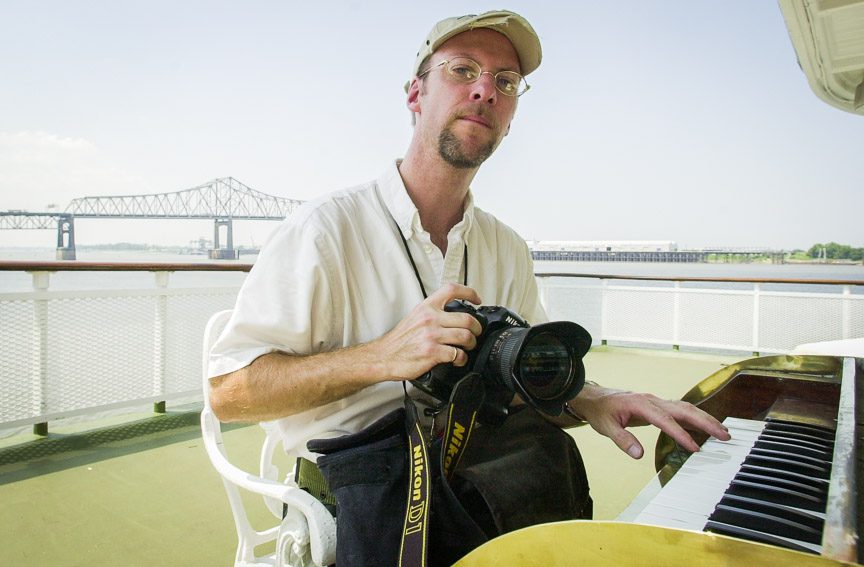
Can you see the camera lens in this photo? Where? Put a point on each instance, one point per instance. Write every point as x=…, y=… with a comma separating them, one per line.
x=541, y=364
x=545, y=366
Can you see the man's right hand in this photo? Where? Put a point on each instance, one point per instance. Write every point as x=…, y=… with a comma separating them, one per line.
x=429, y=335
x=278, y=384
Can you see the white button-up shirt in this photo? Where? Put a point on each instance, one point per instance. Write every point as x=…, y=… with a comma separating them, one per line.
x=335, y=274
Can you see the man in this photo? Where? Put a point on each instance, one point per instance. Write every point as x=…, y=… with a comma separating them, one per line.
x=332, y=318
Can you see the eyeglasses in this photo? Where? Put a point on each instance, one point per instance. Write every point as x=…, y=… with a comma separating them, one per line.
x=468, y=71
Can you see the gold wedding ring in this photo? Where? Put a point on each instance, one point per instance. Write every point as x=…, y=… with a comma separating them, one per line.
x=455, y=354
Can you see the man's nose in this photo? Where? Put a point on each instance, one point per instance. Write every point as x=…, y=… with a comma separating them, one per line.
x=484, y=88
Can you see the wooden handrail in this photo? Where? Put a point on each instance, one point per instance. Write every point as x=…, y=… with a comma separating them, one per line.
x=78, y=266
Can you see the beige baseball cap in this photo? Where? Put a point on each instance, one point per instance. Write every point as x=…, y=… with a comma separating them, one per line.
x=515, y=27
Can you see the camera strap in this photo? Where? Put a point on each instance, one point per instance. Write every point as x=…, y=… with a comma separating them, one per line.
x=460, y=423
x=415, y=531
x=465, y=401
x=414, y=264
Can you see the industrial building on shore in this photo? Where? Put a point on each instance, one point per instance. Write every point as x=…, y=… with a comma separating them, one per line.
x=612, y=251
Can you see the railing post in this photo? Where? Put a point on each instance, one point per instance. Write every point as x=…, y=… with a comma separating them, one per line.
x=544, y=293
x=757, y=290
x=676, y=315
x=160, y=339
x=603, y=309
x=846, y=311
x=39, y=363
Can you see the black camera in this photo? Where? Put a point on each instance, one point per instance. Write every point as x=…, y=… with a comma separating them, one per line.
x=543, y=363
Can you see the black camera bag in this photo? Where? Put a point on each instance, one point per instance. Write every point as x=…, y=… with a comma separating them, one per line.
x=524, y=472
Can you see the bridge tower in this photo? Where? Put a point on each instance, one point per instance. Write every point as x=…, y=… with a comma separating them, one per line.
x=227, y=252
x=65, y=238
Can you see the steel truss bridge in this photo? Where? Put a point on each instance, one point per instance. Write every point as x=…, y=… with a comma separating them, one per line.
x=223, y=200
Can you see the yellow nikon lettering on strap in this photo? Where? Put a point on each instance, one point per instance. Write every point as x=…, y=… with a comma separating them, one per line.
x=417, y=480
x=412, y=552
x=454, y=444
x=418, y=496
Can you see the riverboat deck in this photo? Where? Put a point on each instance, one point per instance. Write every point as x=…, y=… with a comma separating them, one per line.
x=139, y=490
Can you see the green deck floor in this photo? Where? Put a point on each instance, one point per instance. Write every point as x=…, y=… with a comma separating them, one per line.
x=144, y=493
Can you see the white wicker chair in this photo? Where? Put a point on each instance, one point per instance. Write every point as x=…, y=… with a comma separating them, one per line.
x=307, y=534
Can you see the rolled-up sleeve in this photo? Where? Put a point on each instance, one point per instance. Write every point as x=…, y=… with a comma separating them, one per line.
x=286, y=304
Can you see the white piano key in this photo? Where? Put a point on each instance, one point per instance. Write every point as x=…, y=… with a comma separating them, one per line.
x=744, y=424
x=680, y=508
x=666, y=519
x=691, y=495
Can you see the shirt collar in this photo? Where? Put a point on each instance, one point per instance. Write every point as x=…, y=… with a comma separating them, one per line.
x=404, y=211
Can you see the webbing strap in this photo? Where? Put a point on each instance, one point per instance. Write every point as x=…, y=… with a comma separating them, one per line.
x=415, y=533
x=465, y=401
x=416, y=527
x=308, y=477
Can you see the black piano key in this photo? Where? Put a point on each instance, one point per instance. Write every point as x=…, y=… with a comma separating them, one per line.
x=804, y=517
x=796, y=439
x=787, y=465
x=774, y=472
x=804, y=436
x=813, y=430
x=761, y=537
x=779, y=494
x=767, y=523
x=819, y=445
x=804, y=459
x=819, y=492
x=826, y=432
x=776, y=494
x=793, y=449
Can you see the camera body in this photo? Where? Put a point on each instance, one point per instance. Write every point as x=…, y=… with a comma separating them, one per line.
x=543, y=363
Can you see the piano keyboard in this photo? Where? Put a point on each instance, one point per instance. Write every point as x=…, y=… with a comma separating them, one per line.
x=768, y=483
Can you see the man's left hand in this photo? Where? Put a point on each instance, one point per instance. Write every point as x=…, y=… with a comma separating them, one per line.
x=611, y=411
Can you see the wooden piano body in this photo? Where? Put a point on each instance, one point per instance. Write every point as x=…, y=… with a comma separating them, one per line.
x=820, y=391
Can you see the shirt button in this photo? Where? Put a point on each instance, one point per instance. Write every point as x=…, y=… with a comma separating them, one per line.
x=427, y=249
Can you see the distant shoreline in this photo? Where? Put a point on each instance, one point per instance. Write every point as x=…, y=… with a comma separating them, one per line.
x=825, y=262
x=125, y=247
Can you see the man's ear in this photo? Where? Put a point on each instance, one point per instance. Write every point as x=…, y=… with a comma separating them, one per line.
x=413, y=101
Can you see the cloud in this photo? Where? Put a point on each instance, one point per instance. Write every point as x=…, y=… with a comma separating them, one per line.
x=41, y=171
x=38, y=169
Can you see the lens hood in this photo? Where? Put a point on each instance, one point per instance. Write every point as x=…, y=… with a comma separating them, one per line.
x=519, y=351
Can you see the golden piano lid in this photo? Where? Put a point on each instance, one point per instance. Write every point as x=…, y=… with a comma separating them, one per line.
x=617, y=544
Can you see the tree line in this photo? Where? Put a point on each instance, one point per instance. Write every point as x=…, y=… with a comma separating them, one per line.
x=834, y=251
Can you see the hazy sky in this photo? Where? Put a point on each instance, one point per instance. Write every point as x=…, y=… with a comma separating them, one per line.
x=665, y=120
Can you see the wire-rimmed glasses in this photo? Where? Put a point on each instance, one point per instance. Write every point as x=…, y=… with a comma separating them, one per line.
x=465, y=70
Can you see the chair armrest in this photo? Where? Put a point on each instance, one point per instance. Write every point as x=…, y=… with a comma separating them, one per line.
x=322, y=526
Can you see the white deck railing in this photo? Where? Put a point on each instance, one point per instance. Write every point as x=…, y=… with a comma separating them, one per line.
x=742, y=315
x=97, y=340
x=121, y=336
